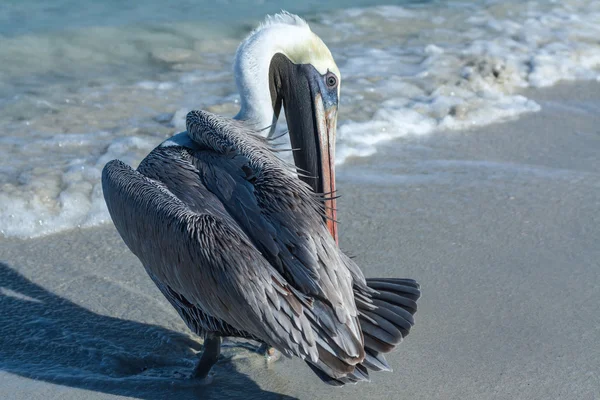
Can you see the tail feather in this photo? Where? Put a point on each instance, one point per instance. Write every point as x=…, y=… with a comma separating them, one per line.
x=407, y=288
x=398, y=317
x=332, y=365
x=385, y=326
x=338, y=346
x=358, y=374
x=378, y=331
x=375, y=361
x=408, y=306
x=341, y=338
x=318, y=370
x=360, y=371
x=386, y=314
x=380, y=346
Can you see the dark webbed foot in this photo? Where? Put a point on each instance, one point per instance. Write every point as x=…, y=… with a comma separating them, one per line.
x=210, y=356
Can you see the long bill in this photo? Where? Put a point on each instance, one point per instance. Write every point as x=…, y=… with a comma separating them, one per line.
x=311, y=113
x=326, y=125
x=312, y=135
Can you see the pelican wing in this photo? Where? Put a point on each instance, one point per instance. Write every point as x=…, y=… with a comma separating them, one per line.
x=284, y=220
x=188, y=242
x=223, y=222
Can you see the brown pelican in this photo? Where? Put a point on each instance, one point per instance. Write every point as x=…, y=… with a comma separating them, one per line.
x=241, y=246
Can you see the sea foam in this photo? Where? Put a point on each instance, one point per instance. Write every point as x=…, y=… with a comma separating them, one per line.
x=410, y=71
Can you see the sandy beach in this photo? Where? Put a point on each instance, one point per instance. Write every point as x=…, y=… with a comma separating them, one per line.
x=500, y=225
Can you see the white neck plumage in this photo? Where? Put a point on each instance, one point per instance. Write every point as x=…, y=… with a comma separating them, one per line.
x=282, y=33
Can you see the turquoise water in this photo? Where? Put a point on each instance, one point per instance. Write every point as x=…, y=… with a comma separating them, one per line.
x=84, y=82
x=90, y=41
x=34, y=16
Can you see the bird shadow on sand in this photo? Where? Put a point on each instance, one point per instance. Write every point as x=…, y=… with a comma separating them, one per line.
x=49, y=338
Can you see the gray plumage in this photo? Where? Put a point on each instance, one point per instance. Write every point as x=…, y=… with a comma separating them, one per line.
x=237, y=244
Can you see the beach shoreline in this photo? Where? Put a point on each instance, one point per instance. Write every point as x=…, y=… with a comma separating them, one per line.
x=499, y=224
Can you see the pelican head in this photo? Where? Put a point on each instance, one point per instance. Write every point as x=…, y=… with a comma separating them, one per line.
x=283, y=63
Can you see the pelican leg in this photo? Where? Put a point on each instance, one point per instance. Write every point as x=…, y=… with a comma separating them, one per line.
x=210, y=355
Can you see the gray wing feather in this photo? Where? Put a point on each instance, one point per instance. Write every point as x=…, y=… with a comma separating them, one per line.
x=283, y=218
x=196, y=249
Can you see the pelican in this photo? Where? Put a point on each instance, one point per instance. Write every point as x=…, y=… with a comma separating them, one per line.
x=242, y=245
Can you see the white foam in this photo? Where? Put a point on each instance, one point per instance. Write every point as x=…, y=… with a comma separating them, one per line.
x=43, y=200
x=406, y=74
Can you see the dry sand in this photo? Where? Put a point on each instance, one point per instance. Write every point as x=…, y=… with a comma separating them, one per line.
x=500, y=225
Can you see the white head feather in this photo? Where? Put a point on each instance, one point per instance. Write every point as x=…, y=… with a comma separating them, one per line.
x=280, y=33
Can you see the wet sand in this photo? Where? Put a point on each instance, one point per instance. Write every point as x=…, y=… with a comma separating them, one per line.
x=500, y=225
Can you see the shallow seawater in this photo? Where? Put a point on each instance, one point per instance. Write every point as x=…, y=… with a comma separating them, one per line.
x=81, y=84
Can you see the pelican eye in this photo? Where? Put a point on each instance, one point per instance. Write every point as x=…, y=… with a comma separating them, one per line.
x=331, y=80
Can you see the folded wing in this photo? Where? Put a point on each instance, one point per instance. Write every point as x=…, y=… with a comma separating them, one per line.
x=199, y=252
